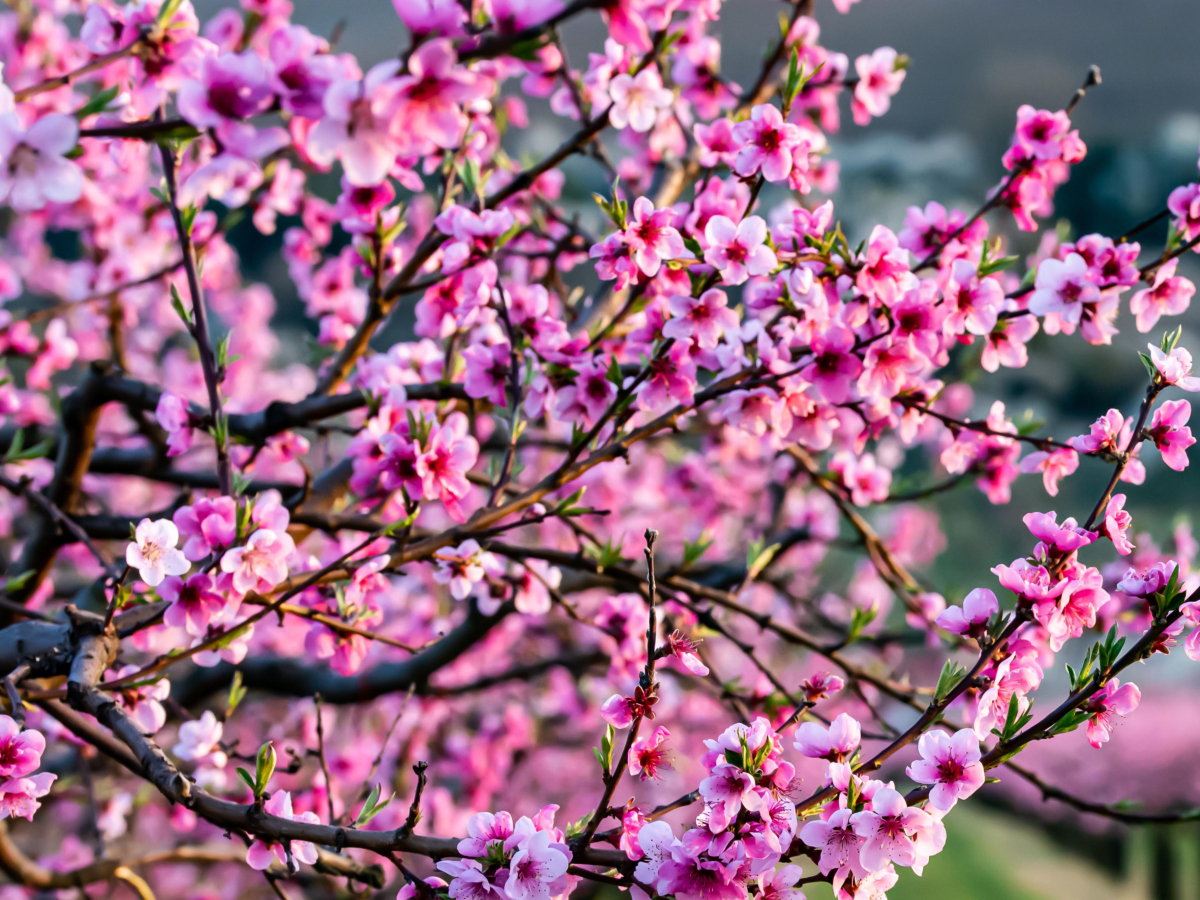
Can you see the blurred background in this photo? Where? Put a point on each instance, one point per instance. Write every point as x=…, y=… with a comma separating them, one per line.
x=972, y=64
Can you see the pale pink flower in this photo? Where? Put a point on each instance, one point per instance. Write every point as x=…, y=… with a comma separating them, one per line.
x=951, y=763
x=637, y=99
x=429, y=97
x=443, y=463
x=974, y=302
x=535, y=867
x=357, y=126
x=1114, y=699
x=1062, y=287
x=1147, y=582
x=460, y=568
x=143, y=704
x=261, y=563
x=738, y=251
x=702, y=319
x=651, y=238
x=200, y=741
x=207, y=525
x=724, y=792
x=19, y=796
x=153, y=552
x=1117, y=523
x=174, y=416
x=840, y=844
x=1030, y=582
x=835, y=743
x=262, y=853
x=887, y=829
x=718, y=143
x=33, y=170
x=1175, y=367
x=484, y=831
x=884, y=274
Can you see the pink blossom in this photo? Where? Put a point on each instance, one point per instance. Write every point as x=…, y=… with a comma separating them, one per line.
x=1062, y=287
x=1117, y=523
x=718, y=142
x=488, y=372
x=1175, y=367
x=821, y=685
x=262, y=853
x=19, y=796
x=840, y=843
x=1168, y=295
x=357, y=126
x=834, y=367
x=534, y=868
x=879, y=78
x=618, y=711
x=689, y=876
x=889, y=367
x=684, y=649
x=33, y=170
x=1184, y=204
x=231, y=86
x=766, y=142
x=888, y=829
x=1066, y=538
x=884, y=274
x=738, y=251
x=1147, y=582
x=835, y=743
x=444, y=461
x=703, y=319
x=1171, y=434
x=724, y=792
x=589, y=395
x=20, y=751
x=143, y=703
x=951, y=763
x=1014, y=677
x=1031, y=583
x=200, y=740
x=647, y=757
x=153, y=552
x=206, y=525
x=1075, y=609
x=302, y=70
x=974, y=302
x=973, y=616
x=637, y=99
x=429, y=96
x=1053, y=464
x=1114, y=699
x=174, y=416
x=261, y=563
x=439, y=18
x=194, y=602
x=863, y=477
x=780, y=884
x=1041, y=132
x=1104, y=435
x=651, y=238
x=461, y=568
x=485, y=831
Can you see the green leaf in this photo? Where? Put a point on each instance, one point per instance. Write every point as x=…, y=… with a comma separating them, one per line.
x=98, y=103
x=182, y=311
x=245, y=776
x=237, y=693
x=951, y=675
x=264, y=768
x=1150, y=368
x=693, y=550
x=861, y=618
x=372, y=807
x=16, y=582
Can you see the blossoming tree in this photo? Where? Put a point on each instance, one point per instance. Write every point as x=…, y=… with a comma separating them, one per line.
x=564, y=548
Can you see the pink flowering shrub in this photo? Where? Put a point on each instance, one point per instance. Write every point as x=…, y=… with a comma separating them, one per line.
x=561, y=539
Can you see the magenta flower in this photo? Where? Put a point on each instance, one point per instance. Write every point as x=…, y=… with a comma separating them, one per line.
x=19, y=796
x=261, y=563
x=647, y=758
x=1184, y=204
x=1066, y=538
x=780, y=884
x=1014, y=677
x=1117, y=523
x=973, y=616
x=1053, y=464
x=194, y=602
x=438, y=18
x=1104, y=436
x=590, y=394
x=821, y=685
x=443, y=463
x=231, y=87
x=1031, y=583
x=767, y=143
x=1075, y=609
x=1062, y=287
x=33, y=167
x=684, y=649
x=1147, y=582
x=153, y=552
x=703, y=319
x=884, y=274
x=738, y=251
x=651, y=238
x=488, y=370
x=302, y=69
x=890, y=366
x=637, y=99
x=429, y=97
x=357, y=126
x=835, y=743
x=345, y=651
x=690, y=876
x=619, y=711
x=951, y=764
x=206, y=525
x=671, y=379
x=262, y=853
x=1114, y=699
x=834, y=367
x=1175, y=367
x=1041, y=132
x=20, y=751
x=1171, y=434
x=724, y=792
x=1168, y=295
